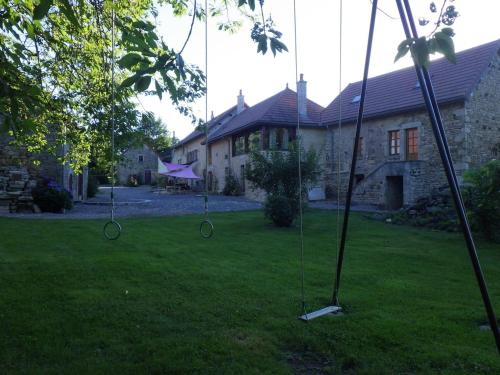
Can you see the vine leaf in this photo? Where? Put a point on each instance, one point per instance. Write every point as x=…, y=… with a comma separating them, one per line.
x=444, y=44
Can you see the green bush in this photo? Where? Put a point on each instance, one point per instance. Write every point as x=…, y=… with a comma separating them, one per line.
x=280, y=210
x=275, y=172
x=92, y=187
x=482, y=199
x=50, y=197
x=232, y=186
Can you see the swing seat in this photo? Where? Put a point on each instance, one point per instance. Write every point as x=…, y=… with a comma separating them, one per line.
x=324, y=311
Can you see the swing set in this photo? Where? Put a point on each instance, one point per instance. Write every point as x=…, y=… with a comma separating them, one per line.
x=425, y=83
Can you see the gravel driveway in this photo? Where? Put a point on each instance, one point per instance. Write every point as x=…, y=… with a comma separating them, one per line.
x=141, y=201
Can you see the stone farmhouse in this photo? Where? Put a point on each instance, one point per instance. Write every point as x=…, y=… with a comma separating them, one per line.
x=270, y=124
x=191, y=150
x=19, y=172
x=398, y=161
x=140, y=164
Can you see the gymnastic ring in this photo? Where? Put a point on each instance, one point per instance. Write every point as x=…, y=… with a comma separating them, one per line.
x=117, y=226
x=209, y=228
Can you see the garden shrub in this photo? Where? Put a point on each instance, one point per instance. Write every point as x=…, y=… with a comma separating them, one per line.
x=482, y=199
x=50, y=197
x=280, y=210
x=275, y=172
x=232, y=186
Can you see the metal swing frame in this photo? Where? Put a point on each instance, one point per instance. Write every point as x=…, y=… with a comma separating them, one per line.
x=425, y=82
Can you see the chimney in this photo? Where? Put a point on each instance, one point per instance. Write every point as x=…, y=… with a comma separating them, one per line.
x=241, y=104
x=302, y=95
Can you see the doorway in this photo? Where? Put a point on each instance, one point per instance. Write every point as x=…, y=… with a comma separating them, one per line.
x=147, y=177
x=394, y=196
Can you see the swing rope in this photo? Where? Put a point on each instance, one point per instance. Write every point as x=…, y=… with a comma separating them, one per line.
x=109, y=232
x=206, y=226
x=299, y=151
x=339, y=134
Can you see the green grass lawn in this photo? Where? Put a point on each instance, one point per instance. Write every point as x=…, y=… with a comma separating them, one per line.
x=163, y=300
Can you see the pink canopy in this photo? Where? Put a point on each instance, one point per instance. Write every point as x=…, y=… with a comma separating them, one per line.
x=177, y=170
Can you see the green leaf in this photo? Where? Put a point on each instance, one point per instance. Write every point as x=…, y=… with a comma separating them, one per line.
x=129, y=81
x=142, y=83
x=403, y=48
x=251, y=4
x=277, y=46
x=262, y=44
x=68, y=11
x=158, y=89
x=444, y=44
x=241, y=2
x=146, y=26
x=448, y=31
x=129, y=60
x=420, y=52
x=42, y=9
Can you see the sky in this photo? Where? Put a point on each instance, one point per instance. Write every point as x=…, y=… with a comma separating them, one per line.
x=233, y=62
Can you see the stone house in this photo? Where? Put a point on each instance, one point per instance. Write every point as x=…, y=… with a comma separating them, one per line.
x=398, y=160
x=270, y=124
x=17, y=161
x=140, y=163
x=191, y=150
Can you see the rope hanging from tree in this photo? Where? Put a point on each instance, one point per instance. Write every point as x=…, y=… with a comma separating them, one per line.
x=206, y=226
x=112, y=229
x=299, y=168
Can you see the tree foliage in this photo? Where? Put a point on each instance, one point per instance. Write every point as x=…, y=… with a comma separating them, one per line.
x=55, y=70
x=439, y=40
x=482, y=197
x=276, y=173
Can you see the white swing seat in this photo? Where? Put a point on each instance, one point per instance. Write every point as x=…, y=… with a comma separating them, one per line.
x=324, y=311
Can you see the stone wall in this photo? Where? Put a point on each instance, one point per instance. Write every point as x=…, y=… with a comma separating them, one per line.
x=375, y=163
x=482, y=118
x=42, y=165
x=132, y=165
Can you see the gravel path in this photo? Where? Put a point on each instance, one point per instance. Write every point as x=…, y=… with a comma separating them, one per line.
x=141, y=201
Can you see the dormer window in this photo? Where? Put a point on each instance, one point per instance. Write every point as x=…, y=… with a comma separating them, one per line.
x=356, y=99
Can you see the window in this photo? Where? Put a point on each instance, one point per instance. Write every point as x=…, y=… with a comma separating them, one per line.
x=356, y=99
x=192, y=156
x=394, y=142
x=254, y=141
x=226, y=171
x=360, y=147
x=238, y=145
x=278, y=138
x=141, y=159
x=210, y=154
x=412, y=144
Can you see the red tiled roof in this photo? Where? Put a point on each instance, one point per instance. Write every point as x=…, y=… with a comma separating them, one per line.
x=279, y=109
x=398, y=92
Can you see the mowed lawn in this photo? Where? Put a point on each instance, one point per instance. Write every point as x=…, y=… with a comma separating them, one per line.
x=162, y=300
